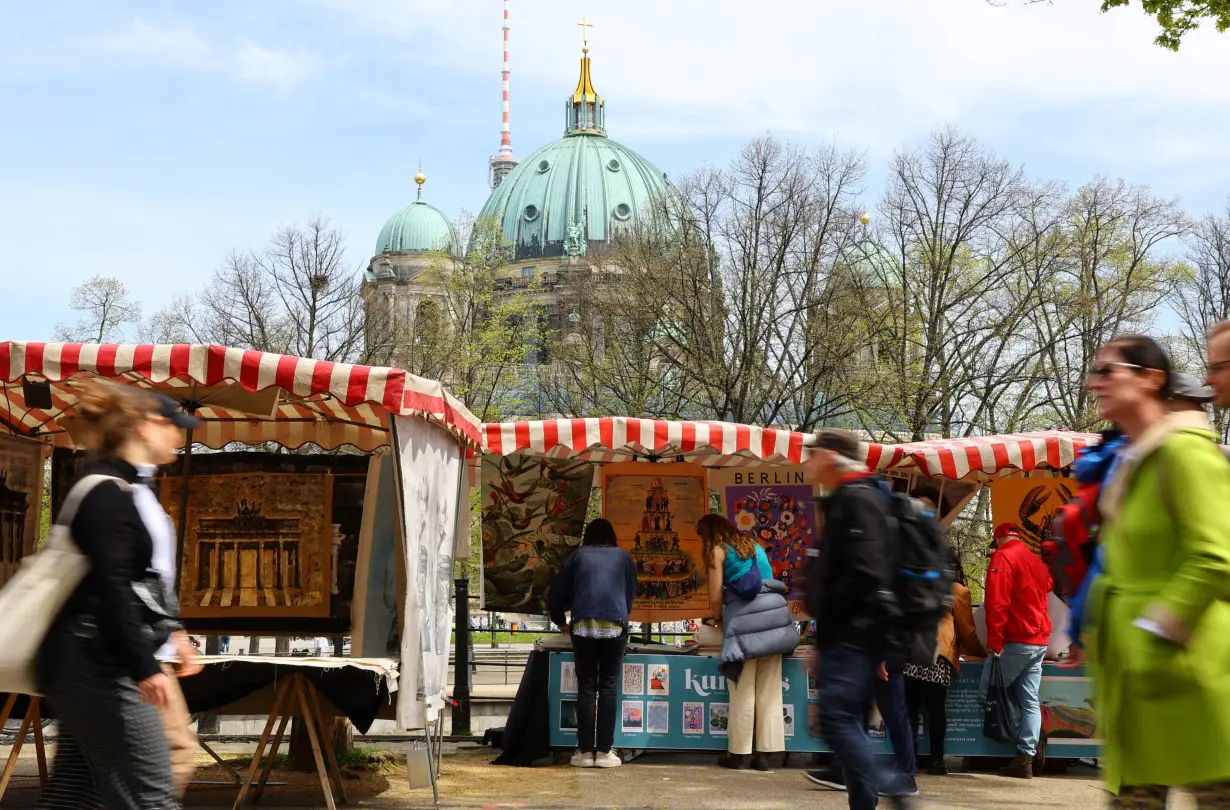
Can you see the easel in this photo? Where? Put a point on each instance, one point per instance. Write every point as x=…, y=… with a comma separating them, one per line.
x=34, y=717
x=292, y=691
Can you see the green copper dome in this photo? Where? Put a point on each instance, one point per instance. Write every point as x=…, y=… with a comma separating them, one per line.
x=575, y=191
x=417, y=227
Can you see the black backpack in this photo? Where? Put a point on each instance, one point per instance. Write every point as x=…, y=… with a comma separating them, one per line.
x=922, y=581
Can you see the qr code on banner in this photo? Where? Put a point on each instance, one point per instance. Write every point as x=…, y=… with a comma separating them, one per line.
x=634, y=679
x=568, y=677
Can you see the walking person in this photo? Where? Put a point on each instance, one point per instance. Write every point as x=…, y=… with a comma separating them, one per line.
x=596, y=586
x=1157, y=626
x=850, y=568
x=1018, y=628
x=756, y=632
x=110, y=663
x=926, y=688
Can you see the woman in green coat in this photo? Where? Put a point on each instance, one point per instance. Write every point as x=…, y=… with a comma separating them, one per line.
x=1159, y=634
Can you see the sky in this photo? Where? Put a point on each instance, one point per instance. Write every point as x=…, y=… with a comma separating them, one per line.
x=147, y=140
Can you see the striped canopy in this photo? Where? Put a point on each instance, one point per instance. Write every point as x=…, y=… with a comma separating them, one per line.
x=720, y=444
x=241, y=396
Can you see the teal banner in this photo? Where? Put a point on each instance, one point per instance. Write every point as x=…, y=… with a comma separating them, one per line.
x=680, y=702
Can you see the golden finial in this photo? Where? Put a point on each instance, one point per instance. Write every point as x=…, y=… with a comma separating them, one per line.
x=865, y=218
x=420, y=179
x=585, y=26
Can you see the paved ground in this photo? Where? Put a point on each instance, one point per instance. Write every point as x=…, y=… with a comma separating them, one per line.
x=655, y=781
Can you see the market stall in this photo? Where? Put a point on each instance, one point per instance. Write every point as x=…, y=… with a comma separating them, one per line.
x=262, y=547
x=656, y=478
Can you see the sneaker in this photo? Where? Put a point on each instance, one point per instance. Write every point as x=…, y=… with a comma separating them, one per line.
x=831, y=778
x=606, y=759
x=582, y=759
x=900, y=786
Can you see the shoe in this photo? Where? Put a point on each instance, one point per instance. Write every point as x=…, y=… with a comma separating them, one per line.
x=831, y=777
x=607, y=759
x=760, y=762
x=582, y=759
x=899, y=787
x=733, y=761
x=938, y=768
x=1021, y=767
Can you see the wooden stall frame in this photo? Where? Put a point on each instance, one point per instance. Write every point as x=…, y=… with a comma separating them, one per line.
x=33, y=718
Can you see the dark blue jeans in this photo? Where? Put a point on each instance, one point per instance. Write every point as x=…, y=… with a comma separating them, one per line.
x=599, y=664
x=890, y=698
x=846, y=684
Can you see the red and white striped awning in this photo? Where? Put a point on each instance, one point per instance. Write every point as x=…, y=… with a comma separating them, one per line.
x=721, y=444
x=244, y=396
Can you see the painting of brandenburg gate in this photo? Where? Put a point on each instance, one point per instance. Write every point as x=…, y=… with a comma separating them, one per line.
x=257, y=544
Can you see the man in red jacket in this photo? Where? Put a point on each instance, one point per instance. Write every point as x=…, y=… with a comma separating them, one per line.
x=1018, y=628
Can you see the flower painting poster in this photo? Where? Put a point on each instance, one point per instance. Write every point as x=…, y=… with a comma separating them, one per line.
x=654, y=509
x=776, y=507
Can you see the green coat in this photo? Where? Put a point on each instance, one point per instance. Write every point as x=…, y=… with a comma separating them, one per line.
x=1164, y=707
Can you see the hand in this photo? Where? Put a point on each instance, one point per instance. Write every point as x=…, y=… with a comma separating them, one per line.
x=156, y=690
x=1075, y=659
x=996, y=653
x=189, y=663
x=882, y=672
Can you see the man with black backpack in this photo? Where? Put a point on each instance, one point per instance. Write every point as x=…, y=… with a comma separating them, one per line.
x=854, y=596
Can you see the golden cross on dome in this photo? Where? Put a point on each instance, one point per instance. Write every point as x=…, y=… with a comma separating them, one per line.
x=585, y=26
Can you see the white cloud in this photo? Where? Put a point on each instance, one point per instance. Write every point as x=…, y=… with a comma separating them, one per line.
x=182, y=46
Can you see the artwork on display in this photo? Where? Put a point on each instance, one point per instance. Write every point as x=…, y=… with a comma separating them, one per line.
x=431, y=476
x=696, y=715
x=256, y=544
x=634, y=679
x=568, y=683
x=659, y=680
x=776, y=507
x=533, y=512
x=1030, y=504
x=380, y=574
x=632, y=718
x=654, y=509
x=21, y=501
x=658, y=717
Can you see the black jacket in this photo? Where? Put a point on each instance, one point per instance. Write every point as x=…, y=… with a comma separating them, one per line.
x=109, y=531
x=851, y=566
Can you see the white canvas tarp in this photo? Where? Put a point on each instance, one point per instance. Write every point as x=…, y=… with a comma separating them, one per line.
x=429, y=474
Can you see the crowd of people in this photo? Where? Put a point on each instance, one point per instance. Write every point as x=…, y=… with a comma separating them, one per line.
x=1151, y=618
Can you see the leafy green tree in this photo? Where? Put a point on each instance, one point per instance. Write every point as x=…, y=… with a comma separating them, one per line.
x=1178, y=18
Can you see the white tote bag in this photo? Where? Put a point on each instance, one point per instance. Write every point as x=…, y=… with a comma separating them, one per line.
x=37, y=593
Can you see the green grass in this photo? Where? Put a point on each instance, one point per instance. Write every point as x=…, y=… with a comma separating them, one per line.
x=481, y=637
x=366, y=758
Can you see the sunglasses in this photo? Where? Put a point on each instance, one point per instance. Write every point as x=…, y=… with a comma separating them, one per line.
x=1106, y=369
x=1218, y=366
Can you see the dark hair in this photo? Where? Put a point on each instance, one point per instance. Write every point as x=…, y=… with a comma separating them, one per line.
x=599, y=532
x=108, y=413
x=1144, y=351
x=930, y=489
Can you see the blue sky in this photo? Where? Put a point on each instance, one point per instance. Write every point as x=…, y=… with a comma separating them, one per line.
x=146, y=140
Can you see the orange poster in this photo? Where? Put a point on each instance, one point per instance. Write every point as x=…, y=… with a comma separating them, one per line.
x=654, y=509
x=1029, y=504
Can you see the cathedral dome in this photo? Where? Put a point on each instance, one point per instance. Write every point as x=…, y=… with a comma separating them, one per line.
x=417, y=227
x=584, y=181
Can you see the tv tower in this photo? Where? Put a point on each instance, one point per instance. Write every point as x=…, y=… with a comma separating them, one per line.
x=504, y=162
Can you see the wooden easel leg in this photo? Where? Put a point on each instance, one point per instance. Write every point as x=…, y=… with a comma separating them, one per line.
x=11, y=765
x=40, y=750
x=313, y=723
x=7, y=711
x=281, y=697
x=327, y=737
x=269, y=759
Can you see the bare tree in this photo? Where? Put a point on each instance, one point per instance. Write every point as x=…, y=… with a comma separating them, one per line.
x=106, y=306
x=297, y=296
x=1202, y=295
x=940, y=288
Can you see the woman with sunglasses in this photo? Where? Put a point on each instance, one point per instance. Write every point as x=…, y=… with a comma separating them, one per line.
x=1158, y=630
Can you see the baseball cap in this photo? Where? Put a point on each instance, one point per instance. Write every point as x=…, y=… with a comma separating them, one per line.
x=842, y=442
x=174, y=412
x=1188, y=386
x=1006, y=530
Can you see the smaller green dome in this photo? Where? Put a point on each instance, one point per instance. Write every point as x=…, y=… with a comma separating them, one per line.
x=417, y=227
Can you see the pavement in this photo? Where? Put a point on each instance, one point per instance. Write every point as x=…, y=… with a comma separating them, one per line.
x=655, y=781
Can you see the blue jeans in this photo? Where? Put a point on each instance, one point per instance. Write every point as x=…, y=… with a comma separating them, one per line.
x=1021, y=667
x=890, y=698
x=845, y=682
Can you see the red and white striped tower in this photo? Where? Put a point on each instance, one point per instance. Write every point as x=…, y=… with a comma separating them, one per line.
x=504, y=162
